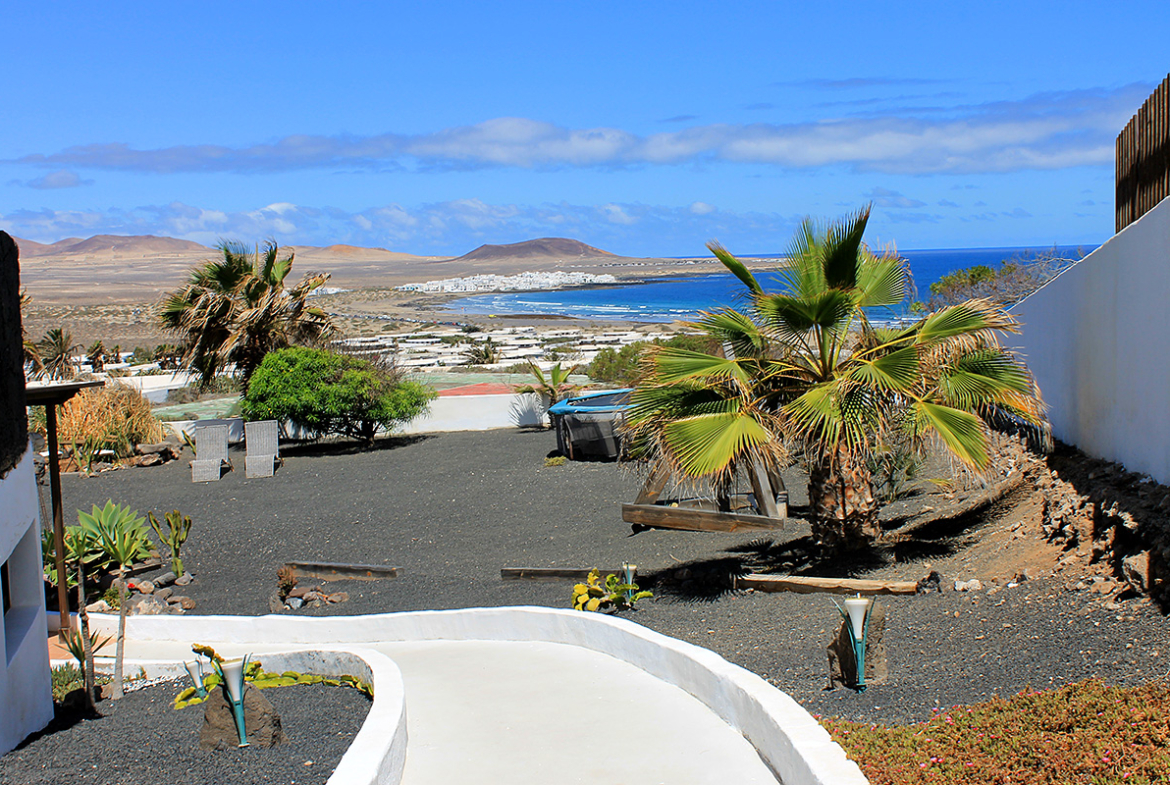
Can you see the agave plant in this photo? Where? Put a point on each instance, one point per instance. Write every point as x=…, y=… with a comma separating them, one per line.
x=805, y=373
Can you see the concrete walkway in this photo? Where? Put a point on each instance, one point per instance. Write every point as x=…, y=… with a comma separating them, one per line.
x=531, y=712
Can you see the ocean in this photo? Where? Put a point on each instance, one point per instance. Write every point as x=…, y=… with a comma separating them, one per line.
x=682, y=297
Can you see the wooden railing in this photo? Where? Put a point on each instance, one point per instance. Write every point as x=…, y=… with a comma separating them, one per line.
x=1143, y=158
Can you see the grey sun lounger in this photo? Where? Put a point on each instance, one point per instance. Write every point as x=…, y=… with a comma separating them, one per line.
x=263, y=443
x=211, y=453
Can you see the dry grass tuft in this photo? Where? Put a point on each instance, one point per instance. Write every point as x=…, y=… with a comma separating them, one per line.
x=115, y=417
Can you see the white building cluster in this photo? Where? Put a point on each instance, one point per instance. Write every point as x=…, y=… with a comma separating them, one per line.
x=507, y=283
x=448, y=347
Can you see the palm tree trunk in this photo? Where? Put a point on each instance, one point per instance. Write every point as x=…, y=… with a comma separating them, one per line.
x=842, y=505
x=86, y=644
x=118, y=683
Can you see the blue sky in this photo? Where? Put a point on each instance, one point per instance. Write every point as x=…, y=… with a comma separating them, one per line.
x=643, y=128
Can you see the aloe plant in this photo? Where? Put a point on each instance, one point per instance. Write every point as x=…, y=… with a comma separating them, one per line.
x=122, y=538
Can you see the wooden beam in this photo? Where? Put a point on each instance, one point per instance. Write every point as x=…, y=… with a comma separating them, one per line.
x=58, y=521
x=762, y=488
x=803, y=584
x=552, y=573
x=689, y=519
x=654, y=485
x=328, y=571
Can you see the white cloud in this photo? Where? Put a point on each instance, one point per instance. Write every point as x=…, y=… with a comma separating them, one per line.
x=702, y=208
x=884, y=197
x=62, y=178
x=1045, y=131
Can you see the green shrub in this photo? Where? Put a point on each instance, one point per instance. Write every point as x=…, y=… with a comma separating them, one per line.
x=333, y=393
x=620, y=366
x=67, y=677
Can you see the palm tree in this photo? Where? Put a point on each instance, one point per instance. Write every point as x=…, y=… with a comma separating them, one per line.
x=55, y=351
x=805, y=372
x=32, y=355
x=552, y=386
x=237, y=309
x=96, y=354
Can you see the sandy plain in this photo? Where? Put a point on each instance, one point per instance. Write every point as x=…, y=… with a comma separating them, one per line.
x=104, y=288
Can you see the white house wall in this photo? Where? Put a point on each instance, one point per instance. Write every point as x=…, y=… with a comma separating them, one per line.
x=1096, y=339
x=26, y=698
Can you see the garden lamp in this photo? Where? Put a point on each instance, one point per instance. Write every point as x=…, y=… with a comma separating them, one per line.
x=628, y=571
x=856, y=616
x=195, y=671
x=232, y=674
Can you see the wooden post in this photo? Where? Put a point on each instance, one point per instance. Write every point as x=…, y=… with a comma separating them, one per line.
x=762, y=488
x=58, y=520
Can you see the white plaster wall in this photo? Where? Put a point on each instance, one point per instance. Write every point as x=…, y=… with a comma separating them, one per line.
x=1097, y=339
x=26, y=698
x=451, y=413
x=786, y=736
x=480, y=413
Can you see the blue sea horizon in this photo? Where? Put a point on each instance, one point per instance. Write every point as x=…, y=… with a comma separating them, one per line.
x=682, y=297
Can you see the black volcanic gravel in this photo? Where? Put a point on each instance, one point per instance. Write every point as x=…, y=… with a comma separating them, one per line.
x=142, y=740
x=452, y=509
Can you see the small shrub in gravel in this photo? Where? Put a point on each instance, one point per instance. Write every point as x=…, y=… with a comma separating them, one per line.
x=1085, y=732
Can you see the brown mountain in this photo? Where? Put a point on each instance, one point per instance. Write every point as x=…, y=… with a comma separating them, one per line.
x=544, y=248
x=132, y=245
x=33, y=248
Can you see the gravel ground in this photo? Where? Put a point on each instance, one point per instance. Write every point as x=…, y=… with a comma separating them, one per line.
x=452, y=509
x=142, y=740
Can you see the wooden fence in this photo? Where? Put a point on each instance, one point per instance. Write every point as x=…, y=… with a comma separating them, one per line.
x=1143, y=158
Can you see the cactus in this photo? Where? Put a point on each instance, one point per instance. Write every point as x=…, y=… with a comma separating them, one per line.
x=178, y=526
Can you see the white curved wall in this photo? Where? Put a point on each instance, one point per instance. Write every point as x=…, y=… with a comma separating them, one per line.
x=1096, y=339
x=789, y=740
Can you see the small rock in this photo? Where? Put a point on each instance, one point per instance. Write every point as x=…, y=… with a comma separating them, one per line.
x=261, y=721
x=972, y=585
x=101, y=606
x=294, y=603
x=932, y=582
x=152, y=449
x=301, y=591
x=164, y=593
x=184, y=579
x=186, y=603
x=339, y=596
x=1135, y=568
x=144, y=587
x=166, y=579
x=145, y=605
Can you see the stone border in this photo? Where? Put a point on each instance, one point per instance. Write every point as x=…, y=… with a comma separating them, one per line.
x=793, y=744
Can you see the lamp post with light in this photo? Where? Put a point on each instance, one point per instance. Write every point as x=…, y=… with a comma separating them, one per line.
x=231, y=674
x=856, y=616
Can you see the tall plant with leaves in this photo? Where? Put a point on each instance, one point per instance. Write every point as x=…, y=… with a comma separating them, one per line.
x=552, y=386
x=236, y=309
x=82, y=550
x=121, y=534
x=55, y=351
x=805, y=372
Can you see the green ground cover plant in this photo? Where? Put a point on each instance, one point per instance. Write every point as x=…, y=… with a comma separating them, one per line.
x=1087, y=732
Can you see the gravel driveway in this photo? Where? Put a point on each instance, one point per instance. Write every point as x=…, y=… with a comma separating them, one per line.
x=452, y=509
